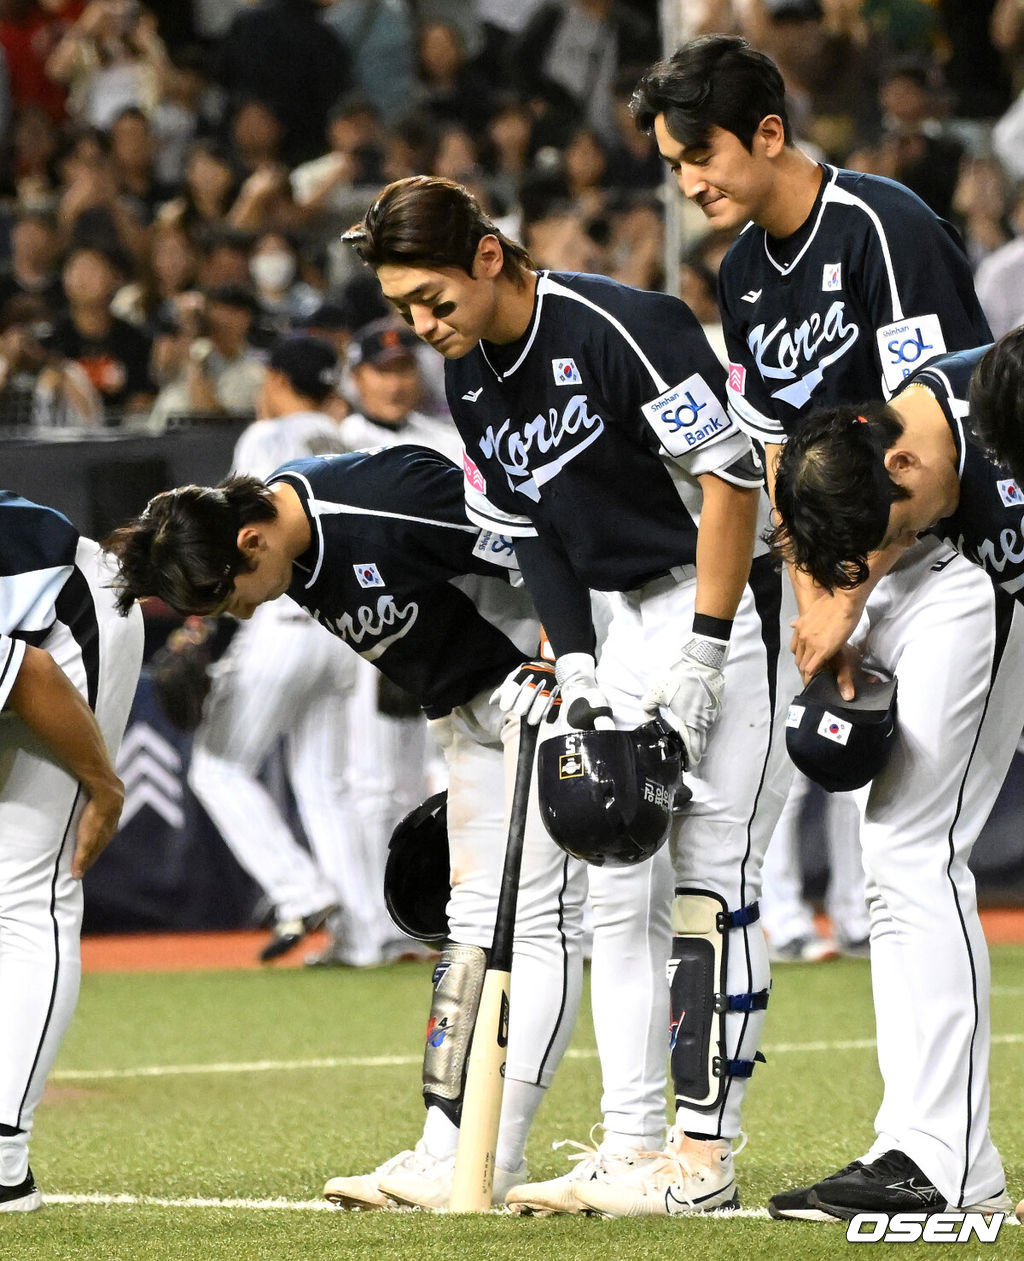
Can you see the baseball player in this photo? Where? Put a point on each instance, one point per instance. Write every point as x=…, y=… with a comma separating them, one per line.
x=376, y=547
x=842, y=285
x=596, y=434
x=68, y=669
x=884, y=473
x=283, y=678
x=389, y=750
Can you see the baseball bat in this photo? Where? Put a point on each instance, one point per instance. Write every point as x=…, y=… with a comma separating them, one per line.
x=473, y=1177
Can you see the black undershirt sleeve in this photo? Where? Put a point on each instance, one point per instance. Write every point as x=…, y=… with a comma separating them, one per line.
x=562, y=601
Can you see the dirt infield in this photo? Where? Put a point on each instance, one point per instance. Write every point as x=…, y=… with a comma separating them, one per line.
x=183, y=952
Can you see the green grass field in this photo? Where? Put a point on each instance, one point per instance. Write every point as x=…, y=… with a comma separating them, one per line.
x=184, y=1105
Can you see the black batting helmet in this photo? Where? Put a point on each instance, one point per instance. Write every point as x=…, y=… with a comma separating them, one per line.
x=417, y=875
x=842, y=744
x=607, y=796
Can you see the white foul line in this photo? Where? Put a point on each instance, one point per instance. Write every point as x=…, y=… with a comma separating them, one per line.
x=301, y=1206
x=408, y=1061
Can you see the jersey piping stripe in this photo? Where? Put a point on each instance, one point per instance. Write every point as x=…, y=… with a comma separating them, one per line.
x=529, y=341
x=783, y=270
x=560, y=1017
x=12, y=664
x=846, y=198
x=316, y=520
x=547, y=285
x=1004, y=610
x=56, y=955
x=322, y=507
x=954, y=408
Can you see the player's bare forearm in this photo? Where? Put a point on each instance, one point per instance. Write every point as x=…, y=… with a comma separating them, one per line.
x=725, y=545
x=52, y=707
x=821, y=632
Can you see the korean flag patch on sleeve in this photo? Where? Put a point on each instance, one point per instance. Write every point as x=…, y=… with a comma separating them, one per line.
x=904, y=346
x=688, y=416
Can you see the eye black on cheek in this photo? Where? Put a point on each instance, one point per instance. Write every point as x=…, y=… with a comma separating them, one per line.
x=444, y=310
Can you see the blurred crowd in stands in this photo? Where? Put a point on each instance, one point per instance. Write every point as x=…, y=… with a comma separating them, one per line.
x=175, y=175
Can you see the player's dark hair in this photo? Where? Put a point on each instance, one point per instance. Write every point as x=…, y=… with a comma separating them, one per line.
x=833, y=493
x=713, y=81
x=427, y=221
x=996, y=400
x=184, y=546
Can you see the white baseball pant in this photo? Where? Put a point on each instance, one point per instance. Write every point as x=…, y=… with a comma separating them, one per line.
x=40, y=902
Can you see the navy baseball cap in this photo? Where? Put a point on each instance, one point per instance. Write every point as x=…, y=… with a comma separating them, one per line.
x=383, y=342
x=309, y=363
x=837, y=743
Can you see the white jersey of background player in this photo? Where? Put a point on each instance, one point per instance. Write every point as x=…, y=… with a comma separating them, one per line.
x=596, y=434
x=377, y=546
x=394, y=765
x=68, y=669
x=842, y=286
x=283, y=680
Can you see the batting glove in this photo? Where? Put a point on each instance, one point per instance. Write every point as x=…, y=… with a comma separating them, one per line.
x=530, y=691
x=583, y=703
x=691, y=691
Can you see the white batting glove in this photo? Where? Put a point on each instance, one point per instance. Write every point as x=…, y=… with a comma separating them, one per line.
x=583, y=703
x=530, y=691
x=691, y=692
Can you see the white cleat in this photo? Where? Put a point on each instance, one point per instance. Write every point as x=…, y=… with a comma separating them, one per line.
x=363, y=1190
x=688, y=1177
x=560, y=1195
x=432, y=1187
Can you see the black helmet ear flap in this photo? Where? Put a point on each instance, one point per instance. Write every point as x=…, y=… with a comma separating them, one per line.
x=841, y=744
x=417, y=875
x=607, y=796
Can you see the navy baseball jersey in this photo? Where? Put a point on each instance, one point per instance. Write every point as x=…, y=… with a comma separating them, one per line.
x=39, y=584
x=869, y=288
x=590, y=430
x=397, y=571
x=988, y=525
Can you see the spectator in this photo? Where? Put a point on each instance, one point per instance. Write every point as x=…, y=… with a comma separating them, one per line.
x=224, y=258
x=510, y=136
x=355, y=157
x=29, y=33
x=257, y=136
x=211, y=183
x=151, y=301
x=280, y=53
x=38, y=386
x=111, y=58
x=1000, y=278
x=379, y=37
x=35, y=246
x=453, y=89
x=386, y=387
x=410, y=146
x=576, y=49
x=284, y=296
x=34, y=148
x=91, y=209
x=265, y=201
x=980, y=205
x=914, y=149
x=186, y=105
x=133, y=150
x=218, y=369
x=113, y=354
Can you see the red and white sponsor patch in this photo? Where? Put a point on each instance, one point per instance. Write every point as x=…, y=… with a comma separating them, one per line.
x=737, y=378
x=473, y=475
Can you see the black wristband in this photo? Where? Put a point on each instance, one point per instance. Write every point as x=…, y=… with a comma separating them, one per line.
x=712, y=627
